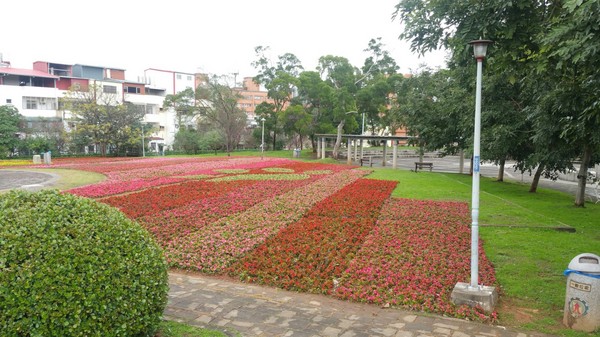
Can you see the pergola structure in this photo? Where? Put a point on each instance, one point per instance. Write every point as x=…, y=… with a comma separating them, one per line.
x=321, y=141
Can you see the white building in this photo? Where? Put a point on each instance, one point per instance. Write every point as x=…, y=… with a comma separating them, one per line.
x=36, y=92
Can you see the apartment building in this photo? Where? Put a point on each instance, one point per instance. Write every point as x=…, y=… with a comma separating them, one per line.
x=251, y=96
x=36, y=93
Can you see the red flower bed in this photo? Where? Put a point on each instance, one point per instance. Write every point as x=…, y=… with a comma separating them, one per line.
x=213, y=248
x=151, y=201
x=228, y=199
x=310, y=253
x=413, y=258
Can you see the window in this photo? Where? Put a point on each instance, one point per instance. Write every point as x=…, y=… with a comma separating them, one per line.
x=150, y=108
x=8, y=101
x=132, y=90
x=178, y=76
x=162, y=128
x=189, y=78
x=30, y=103
x=109, y=89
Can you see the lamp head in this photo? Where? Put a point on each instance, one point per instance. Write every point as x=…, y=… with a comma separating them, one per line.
x=480, y=48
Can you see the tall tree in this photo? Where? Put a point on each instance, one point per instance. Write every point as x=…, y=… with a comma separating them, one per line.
x=571, y=50
x=184, y=105
x=296, y=123
x=217, y=103
x=102, y=120
x=9, y=126
x=342, y=77
x=316, y=96
x=280, y=79
x=373, y=96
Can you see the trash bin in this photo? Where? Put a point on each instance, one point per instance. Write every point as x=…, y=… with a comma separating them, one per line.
x=582, y=302
x=296, y=153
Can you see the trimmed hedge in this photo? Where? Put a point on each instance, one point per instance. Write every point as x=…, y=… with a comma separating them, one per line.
x=70, y=266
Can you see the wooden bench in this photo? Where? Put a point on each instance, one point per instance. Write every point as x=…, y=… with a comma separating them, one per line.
x=419, y=165
x=366, y=160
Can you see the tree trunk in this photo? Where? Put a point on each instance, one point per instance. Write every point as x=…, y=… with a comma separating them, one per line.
x=536, y=179
x=501, y=170
x=582, y=176
x=338, y=139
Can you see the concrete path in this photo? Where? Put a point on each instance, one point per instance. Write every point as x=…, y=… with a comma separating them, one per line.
x=10, y=179
x=242, y=309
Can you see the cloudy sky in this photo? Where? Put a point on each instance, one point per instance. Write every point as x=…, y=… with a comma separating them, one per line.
x=216, y=37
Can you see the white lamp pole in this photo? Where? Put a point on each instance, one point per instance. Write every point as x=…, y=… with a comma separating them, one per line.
x=479, y=49
x=143, y=142
x=262, y=145
x=362, y=132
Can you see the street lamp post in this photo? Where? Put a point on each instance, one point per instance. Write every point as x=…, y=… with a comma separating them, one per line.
x=362, y=130
x=262, y=144
x=473, y=293
x=479, y=50
x=143, y=142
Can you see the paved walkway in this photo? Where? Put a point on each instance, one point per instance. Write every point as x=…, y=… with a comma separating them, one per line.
x=10, y=179
x=252, y=310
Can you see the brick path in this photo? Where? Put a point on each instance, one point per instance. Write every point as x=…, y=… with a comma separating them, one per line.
x=253, y=310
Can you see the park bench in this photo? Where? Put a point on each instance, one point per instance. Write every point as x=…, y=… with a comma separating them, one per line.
x=421, y=165
x=366, y=160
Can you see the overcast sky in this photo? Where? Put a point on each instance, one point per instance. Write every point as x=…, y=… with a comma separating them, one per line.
x=216, y=37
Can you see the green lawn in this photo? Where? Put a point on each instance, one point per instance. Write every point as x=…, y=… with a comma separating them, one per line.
x=529, y=256
x=175, y=329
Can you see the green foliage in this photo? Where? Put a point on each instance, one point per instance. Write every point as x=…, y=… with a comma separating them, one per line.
x=187, y=141
x=9, y=126
x=184, y=105
x=102, y=119
x=218, y=106
x=70, y=266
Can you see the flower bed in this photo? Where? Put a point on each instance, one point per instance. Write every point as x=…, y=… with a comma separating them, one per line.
x=297, y=225
x=226, y=200
x=133, y=175
x=215, y=247
x=310, y=254
x=413, y=258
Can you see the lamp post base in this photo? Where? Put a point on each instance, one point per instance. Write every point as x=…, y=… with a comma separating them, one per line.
x=484, y=296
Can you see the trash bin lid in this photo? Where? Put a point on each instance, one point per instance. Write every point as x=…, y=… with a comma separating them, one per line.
x=586, y=262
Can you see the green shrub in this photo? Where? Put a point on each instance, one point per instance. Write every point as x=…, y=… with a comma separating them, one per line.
x=70, y=266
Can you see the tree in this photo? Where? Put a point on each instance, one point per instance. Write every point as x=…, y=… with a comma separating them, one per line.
x=279, y=79
x=187, y=140
x=102, y=120
x=571, y=50
x=296, y=122
x=316, y=96
x=523, y=32
x=9, y=126
x=217, y=103
x=184, y=104
x=337, y=72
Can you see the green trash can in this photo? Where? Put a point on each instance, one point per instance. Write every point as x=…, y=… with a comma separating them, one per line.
x=582, y=302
